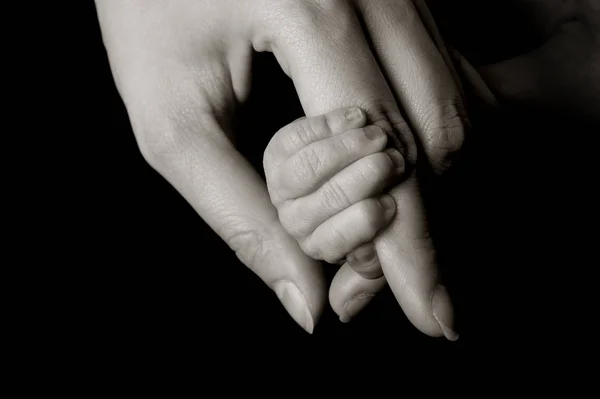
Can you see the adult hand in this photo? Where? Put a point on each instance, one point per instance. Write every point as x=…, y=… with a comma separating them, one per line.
x=182, y=66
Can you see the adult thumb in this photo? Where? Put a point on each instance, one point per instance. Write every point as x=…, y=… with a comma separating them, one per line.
x=233, y=200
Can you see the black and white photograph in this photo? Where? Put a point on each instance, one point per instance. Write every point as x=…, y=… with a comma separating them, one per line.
x=374, y=198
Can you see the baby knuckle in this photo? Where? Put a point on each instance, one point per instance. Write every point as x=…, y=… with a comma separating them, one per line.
x=300, y=136
x=347, y=144
x=333, y=196
x=307, y=165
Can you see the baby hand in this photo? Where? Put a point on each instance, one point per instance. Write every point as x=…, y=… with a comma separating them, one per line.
x=326, y=176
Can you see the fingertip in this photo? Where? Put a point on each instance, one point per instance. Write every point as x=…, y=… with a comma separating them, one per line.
x=353, y=114
x=389, y=207
x=354, y=305
x=365, y=262
x=435, y=317
x=350, y=293
x=375, y=133
x=397, y=160
x=343, y=119
x=443, y=312
x=295, y=303
x=408, y=259
x=296, y=279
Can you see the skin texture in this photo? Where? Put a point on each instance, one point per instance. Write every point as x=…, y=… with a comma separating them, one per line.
x=182, y=66
x=326, y=176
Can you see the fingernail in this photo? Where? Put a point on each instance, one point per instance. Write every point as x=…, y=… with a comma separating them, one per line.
x=374, y=132
x=443, y=312
x=365, y=262
x=365, y=253
x=355, y=305
x=295, y=304
x=354, y=113
x=388, y=204
x=396, y=158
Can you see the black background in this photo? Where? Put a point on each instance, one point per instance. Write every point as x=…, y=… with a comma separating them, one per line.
x=119, y=281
